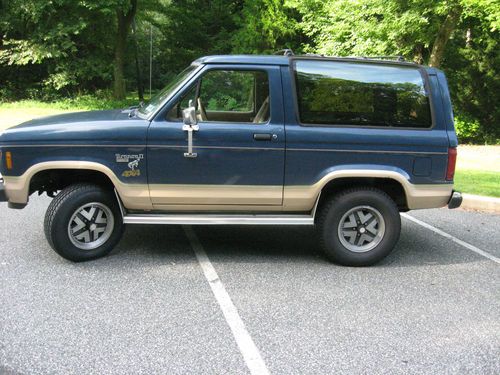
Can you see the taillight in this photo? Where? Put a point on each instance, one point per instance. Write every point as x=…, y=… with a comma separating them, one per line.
x=452, y=161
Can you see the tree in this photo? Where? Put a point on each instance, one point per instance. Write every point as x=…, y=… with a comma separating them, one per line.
x=52, y=48
x=417, y=29
x=459, y=36
x=57, y=48
x=125, y=15
x=265, y=27
x=443, y=35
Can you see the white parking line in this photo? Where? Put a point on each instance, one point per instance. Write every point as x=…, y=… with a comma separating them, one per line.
x=454, y=239
x=250, y=353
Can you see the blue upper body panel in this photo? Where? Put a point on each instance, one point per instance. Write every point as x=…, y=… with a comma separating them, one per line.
x=228, y=153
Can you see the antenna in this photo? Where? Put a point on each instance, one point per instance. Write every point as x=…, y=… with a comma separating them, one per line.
x=150, y=59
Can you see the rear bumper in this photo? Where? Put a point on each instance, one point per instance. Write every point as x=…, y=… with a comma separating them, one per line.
x=3, y=194
x=455, y=200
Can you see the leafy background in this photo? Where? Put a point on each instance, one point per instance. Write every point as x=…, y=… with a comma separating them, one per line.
x=65, y=50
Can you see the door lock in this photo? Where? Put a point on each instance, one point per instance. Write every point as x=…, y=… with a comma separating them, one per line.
x=190, y=129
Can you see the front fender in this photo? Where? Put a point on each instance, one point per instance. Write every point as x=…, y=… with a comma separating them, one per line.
x=133, y=196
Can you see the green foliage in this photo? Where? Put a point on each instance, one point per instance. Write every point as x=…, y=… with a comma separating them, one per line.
x=467, y=129
x=57, y=47
x=266, y=26
x=185, y=30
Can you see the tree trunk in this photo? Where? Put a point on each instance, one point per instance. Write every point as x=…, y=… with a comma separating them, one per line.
x=418, y=56
x=124, y=20
x=443, y=35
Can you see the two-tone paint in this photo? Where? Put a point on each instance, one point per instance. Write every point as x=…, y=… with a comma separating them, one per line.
x=233, y=171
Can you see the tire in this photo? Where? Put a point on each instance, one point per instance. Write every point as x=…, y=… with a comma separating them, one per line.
x=359, y=226
x=83, y=222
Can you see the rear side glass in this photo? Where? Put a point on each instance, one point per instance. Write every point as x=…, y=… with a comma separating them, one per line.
x=353, y=93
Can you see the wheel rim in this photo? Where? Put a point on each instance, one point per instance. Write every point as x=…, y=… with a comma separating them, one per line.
x=91, y=226
x=361, y=229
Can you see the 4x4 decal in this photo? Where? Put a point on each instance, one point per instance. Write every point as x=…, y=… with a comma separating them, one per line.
x=133, y=165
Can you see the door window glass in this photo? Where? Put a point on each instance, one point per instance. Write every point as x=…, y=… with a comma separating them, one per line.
x=228, y=96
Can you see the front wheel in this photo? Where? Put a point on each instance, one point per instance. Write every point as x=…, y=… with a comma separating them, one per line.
x=359, y=227
x=83, y=222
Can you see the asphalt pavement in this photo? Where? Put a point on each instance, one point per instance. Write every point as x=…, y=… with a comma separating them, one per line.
x=270, y=303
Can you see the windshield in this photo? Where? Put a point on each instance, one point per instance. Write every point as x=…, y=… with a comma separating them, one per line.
x=149, y=107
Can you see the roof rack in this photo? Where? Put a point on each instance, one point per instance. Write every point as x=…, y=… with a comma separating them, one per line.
x=398, y=58
x=315, y=55
x=284, y=52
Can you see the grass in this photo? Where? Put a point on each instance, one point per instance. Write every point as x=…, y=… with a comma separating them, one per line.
x=485, y=183
x=478, y=167
x=478, y=170
x=13, y=113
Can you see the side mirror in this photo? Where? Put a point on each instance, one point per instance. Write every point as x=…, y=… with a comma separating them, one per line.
x=189, y=116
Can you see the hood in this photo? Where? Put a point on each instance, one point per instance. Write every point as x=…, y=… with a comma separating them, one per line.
x=76, y=117
x=73, y=127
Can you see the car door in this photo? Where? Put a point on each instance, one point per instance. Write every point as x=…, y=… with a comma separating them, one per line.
x=238, y=151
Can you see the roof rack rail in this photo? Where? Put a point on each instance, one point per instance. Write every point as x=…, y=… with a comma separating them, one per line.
x=315, y=55
x=284, y=52
x=398, y=58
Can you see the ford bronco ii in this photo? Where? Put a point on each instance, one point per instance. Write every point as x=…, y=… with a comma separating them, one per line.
x=344, y=144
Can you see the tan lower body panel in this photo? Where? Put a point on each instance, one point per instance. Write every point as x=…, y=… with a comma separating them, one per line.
x=229, y=197
x=296, y=198
x=302, y=198
x=216, y=195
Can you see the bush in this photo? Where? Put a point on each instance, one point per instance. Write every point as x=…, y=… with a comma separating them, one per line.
x=467, y=130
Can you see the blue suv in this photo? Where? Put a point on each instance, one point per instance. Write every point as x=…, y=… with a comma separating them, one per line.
x=343, y=144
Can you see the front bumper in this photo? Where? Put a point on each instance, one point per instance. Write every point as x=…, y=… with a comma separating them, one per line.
x=455, y=200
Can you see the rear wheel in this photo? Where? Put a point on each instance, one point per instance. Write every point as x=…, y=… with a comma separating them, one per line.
x=83, y=222
x=359, y=227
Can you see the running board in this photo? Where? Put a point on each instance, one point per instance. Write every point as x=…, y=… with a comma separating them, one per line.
x=190, y=219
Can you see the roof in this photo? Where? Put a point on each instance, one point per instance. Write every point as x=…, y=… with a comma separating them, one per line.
x=285, y=60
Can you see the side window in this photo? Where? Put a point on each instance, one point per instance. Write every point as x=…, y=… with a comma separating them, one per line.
x=345, y=93
x=228, y=96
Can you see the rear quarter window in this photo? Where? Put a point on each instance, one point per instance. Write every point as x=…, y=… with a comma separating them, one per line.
x=362, y=94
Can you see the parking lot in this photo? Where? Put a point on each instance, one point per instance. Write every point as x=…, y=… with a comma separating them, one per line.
x=236, y=300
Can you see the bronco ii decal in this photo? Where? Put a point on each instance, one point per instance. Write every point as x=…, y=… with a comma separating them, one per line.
x=133, y=165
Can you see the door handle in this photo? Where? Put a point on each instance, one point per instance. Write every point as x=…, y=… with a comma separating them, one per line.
x=264, y=136
x=190, y=129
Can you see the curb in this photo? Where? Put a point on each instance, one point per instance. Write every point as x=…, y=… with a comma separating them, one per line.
x=480, y=203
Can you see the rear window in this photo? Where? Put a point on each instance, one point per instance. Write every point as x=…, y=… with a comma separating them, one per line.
x=352, y=93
